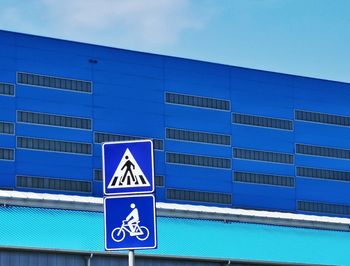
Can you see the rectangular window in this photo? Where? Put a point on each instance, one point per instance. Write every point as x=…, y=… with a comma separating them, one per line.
x=7, y=128
x=53, y=120
x=159, y=180
x=275, y=180
x=197, y=101
x=196, y=136
x=53, y=145
x=198, y=196
x=263, y=156
x=323, y=151
x=311, y=206
x=53, y=183
x=54, y=82
x=322, y=118
x=261, y=121
x=7, y=89
x=98, y=174
x=323, y=173
x=106, y=137
x=198, y=160
x=7, y=154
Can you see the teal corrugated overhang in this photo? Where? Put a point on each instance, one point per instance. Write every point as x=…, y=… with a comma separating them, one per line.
x=83, y=231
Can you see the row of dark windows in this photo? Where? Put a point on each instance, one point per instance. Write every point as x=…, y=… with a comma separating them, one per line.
x=311, y=206
x=323, y=151
x=199, y=196
x=98, y=175
x=261, y=121
x=106, y=137
x=275, y=180
x=7, y=128
x=53, y=82
x=159, y=179
x=7, y=154
x=53, y=120
x=7, y=89
x=322, y=118
x=196, y=136
x=53, y=183
x=287, y=124
x=197, y=101
x=53, y=145
x=323, y=173
x=197, y=160
x=263, y=156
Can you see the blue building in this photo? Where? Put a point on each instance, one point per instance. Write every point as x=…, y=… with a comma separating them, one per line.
x=223, y=136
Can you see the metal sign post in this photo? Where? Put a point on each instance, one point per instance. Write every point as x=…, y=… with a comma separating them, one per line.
x=129, y=202
x=131, y=258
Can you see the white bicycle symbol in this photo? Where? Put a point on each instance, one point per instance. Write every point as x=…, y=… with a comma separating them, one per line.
x=141, y=232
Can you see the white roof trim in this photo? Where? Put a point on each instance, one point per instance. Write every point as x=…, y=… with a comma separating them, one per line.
x=170, y=209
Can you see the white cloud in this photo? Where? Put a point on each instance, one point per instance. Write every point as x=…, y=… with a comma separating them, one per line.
x=150, y=23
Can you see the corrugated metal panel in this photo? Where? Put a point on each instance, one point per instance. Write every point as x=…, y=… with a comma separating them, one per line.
x=83, y=231
x=26, y=258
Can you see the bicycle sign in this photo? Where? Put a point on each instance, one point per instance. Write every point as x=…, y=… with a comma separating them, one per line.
x=130, y=225
x=141, y=232
x=130, y=222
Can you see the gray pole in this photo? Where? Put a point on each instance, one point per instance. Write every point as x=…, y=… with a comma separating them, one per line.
x=131, y=258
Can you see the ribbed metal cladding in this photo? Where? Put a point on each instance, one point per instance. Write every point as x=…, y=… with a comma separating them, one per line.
x=321, y=207
x=197, y=160
x=196, y=136
x=7, y=128
x=7, y=89
x=262, y=121
x=7, y=154
x=323, y=173
x=17, y=257
x=159, y=180
x=323, y=151
x=197, y=101
x=267, y=179
x=267, y=156
x=52, y=183
x=199, y=196
x=322, y=118
x=54, y=82
x=53, y=145
x=53, y=120
x=98, y=175
x=101, y=137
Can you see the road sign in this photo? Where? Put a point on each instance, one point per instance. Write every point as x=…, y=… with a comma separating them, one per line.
x=128, y=167
x=130, y=222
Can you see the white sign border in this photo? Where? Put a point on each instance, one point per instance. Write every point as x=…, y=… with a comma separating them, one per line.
x=154, y=221
x=103, y=168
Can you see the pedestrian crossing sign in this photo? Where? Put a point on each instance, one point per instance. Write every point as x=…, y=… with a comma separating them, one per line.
x=128, y=167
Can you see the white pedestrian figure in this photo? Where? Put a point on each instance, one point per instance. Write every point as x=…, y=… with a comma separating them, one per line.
x=133, y=219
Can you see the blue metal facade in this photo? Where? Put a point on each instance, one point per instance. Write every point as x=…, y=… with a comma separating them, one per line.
x=137, y=94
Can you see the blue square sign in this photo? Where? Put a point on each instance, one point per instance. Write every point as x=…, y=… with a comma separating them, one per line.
x=128, y=167
x=130, y=222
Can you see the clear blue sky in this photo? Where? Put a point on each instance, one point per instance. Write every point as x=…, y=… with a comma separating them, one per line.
x=302, y=37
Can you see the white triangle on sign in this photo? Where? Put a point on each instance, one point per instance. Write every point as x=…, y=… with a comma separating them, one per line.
x=128, y=173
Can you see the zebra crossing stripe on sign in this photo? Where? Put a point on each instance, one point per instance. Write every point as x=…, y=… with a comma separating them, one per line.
x=128, y=173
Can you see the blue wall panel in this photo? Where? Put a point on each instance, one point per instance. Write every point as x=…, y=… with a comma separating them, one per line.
x=199, y=149
x=263, y=167
x=259, y=138
x=198, y=178
x=128, y=98
x=329, y=191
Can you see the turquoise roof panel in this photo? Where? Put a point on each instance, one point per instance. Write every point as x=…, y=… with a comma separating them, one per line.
x=83, y=231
